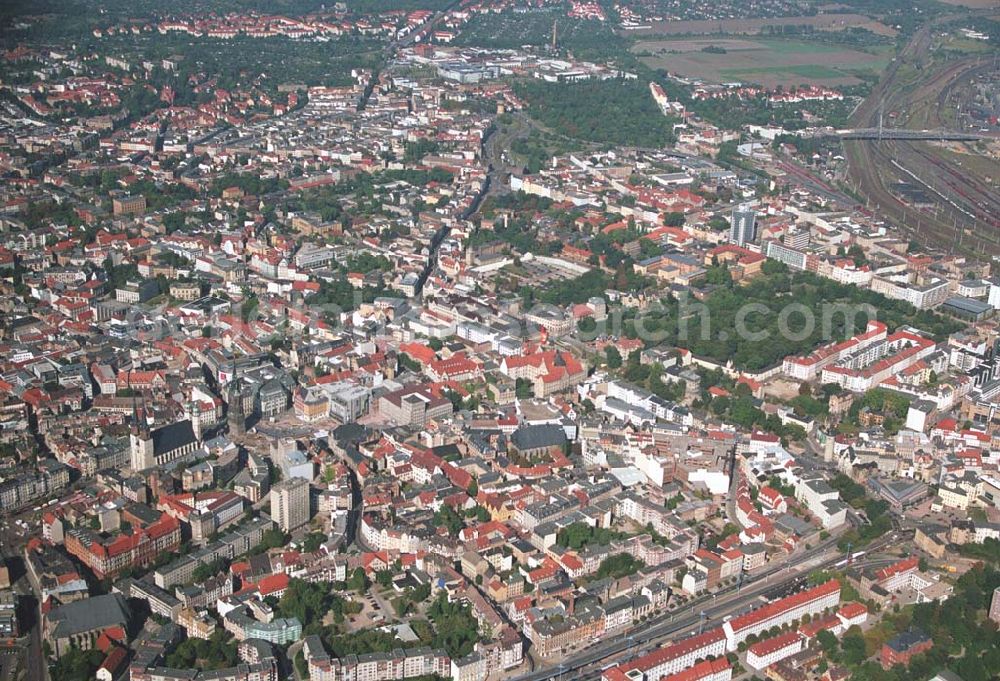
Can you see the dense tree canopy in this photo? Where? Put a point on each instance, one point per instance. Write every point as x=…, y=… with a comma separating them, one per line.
x=455, y=627
x=77, y=665
x=764, y=305
x=964, y=640
x=619, y=565
x=616, y=111
x=309, y=602
x=578, y=535
x=218, y=652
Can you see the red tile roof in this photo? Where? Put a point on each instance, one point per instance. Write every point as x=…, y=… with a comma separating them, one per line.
x=774, y=644
x=703, y=670
x=852, y=610
x=272, y=584
x=904, y=565
x=419, y=352
x=675, y=650
x=783, y=605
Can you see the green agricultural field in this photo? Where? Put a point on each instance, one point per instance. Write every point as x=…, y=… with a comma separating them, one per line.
x=805, y=72
x=768, y=61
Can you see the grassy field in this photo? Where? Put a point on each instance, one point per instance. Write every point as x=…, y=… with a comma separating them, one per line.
x=981, y=159
x=974, y=4
x=957, y=43
x=769, y=62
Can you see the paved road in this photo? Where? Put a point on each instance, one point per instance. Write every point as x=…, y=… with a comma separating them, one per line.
x=734, y=484
x=37, y=669
x=29, y=647
x=293, y=650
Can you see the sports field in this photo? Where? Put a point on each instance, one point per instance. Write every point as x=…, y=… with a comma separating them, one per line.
x=768, y=62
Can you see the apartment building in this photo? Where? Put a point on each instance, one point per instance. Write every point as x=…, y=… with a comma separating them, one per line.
x=396, y=664
x=807, y=368
x=48, y=477
x=867, y=368
x=556, y=635
x=765, y=653
x=675, y=658
x=109, y=557
x=781, y=612
x=290, y=504
x=922, y=296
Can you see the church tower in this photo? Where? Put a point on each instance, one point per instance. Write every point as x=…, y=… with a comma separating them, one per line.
x=237, y=414
x=140, y=441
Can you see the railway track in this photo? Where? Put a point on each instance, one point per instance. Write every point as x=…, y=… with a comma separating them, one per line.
x=965, y=218
x=980, y=199
x=873, y=172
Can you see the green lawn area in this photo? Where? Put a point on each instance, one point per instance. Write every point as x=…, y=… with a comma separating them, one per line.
x=768, y=61
x=779, y=46
x=815, y=71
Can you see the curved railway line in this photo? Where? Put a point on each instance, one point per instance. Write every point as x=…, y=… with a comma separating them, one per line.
x=968, y=226
x=967, y=207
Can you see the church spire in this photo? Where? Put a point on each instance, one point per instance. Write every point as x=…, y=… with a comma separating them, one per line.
x=141, y=446
x=144, y=420
x=237, y=415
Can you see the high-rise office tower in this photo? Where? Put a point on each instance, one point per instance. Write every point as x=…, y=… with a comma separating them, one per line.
x=743, y=227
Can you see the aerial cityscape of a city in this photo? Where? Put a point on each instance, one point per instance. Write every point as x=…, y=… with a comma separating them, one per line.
x=482, y=340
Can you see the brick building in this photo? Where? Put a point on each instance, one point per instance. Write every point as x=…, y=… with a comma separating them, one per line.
x=903, y=647
x=109, y=557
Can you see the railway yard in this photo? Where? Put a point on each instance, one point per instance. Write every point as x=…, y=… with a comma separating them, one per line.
x=944, y=194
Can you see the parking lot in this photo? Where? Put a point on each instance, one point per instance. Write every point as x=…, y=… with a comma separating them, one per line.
x=372, y=614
